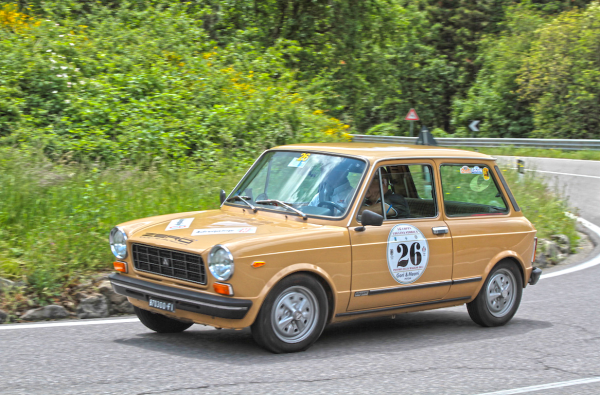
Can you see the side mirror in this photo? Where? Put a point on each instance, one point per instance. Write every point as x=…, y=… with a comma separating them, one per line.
x=369, y=218
x=222, y=196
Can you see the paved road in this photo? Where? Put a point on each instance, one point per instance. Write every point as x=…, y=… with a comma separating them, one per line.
x=579, y=180
x=554, y=339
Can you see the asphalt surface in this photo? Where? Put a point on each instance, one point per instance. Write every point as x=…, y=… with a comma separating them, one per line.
x=554, y=339
x=577, y=180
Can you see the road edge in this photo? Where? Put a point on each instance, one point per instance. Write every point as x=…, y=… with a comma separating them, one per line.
x=591, y=260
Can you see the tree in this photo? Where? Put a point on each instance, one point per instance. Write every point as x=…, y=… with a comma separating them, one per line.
x=561, y=76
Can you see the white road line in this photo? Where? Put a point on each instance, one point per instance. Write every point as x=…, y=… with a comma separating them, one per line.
x=544, y=158
x=548, y=386
x=563, y=174
x=585, y=265
x=554, y=172
x=70, y=323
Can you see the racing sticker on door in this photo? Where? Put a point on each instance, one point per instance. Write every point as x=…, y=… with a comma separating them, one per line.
x=407, y=253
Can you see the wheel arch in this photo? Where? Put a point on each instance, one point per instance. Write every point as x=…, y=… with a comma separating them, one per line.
x=505, y=256
x=315, y=272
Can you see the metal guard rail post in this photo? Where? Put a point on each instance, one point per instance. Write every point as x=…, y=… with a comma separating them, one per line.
x=562, y=144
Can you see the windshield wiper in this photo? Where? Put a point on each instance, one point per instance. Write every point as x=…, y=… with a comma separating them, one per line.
x=243, y=199
x=283, y=204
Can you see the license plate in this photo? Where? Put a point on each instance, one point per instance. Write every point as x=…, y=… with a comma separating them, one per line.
x=161, y=304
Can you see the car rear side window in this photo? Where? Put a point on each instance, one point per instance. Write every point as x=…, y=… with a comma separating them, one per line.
x=471, y=190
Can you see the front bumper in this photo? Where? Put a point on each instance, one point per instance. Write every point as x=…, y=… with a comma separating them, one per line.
x=211, y=305
x=535, y=275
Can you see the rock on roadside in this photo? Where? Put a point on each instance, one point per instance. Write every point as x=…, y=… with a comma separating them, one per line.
x=6, y=284
x=45, y=313
x=117, y=303
x=3, y=316
x=95, y=306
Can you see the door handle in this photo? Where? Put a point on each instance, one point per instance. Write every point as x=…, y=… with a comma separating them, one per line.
x=439, y=230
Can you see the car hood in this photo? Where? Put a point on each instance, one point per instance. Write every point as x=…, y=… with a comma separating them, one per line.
x=198, y=231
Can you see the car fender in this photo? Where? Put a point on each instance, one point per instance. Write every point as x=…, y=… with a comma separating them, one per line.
x=337, y=302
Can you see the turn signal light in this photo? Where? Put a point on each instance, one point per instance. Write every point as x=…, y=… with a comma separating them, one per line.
x=258, y=263
x=120, y=266
x=223, y=289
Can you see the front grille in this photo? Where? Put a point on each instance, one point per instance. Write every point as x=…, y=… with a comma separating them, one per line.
x=170, y=263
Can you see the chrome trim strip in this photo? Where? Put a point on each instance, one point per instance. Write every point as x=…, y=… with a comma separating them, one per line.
x=409, y=287
x=402, y=307
x=467, y=280
x=420, y=286
x=177, y=298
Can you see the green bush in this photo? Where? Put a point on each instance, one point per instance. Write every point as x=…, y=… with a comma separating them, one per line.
x=148, y=85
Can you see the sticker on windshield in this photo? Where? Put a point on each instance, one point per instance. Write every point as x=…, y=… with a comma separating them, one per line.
x=465, y=170
x=486, y=173
x=476, y=170
x=199, y=232
x=300, y=161
x=183, y=223
x=407, y=253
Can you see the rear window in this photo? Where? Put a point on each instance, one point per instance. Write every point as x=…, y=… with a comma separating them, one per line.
x=471, y=190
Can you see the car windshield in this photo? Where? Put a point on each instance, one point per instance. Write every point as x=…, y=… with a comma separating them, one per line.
x=315, y=184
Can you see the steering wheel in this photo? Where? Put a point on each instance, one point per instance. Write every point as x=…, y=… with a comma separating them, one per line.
x=331, y=205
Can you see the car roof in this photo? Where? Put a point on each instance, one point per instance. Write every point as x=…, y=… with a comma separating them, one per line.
x=378, y=151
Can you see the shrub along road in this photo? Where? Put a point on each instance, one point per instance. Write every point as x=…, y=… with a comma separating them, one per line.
x=553, y=339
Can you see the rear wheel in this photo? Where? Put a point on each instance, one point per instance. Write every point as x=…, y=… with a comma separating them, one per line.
x=160, y=323
x=499, y=299
x=292, y=316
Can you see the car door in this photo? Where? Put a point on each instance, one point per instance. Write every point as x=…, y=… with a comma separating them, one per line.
x=408, y=258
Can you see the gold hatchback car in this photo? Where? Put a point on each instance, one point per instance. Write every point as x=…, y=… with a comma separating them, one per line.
x=321, y=233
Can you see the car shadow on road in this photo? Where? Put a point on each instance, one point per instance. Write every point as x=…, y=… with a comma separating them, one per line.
x=407, y=332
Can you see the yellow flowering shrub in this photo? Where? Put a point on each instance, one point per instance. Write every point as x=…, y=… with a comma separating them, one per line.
x=14, y=20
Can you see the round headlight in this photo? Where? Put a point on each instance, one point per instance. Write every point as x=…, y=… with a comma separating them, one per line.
x=118, y=242
x=220, y=263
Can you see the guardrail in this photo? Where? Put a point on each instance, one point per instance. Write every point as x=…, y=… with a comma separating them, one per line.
x=563, y=144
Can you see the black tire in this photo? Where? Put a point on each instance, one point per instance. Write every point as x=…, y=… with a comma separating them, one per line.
x=280, y=329
x=160, y=323
x=487, y=311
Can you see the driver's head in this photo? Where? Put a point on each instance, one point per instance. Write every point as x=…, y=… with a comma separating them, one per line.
x=373, y=193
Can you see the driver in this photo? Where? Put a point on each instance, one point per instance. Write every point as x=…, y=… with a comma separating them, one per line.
x=337, y=186
x=395, y=205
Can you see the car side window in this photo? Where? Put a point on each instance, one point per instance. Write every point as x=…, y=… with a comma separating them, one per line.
x=471, y=190
x=408, y=192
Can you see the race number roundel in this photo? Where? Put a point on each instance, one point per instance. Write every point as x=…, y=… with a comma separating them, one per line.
x=407, y=253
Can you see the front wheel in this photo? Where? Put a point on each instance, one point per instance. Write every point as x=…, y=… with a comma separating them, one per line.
x=160, y=323
x=499, y=299
x=292, y=316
